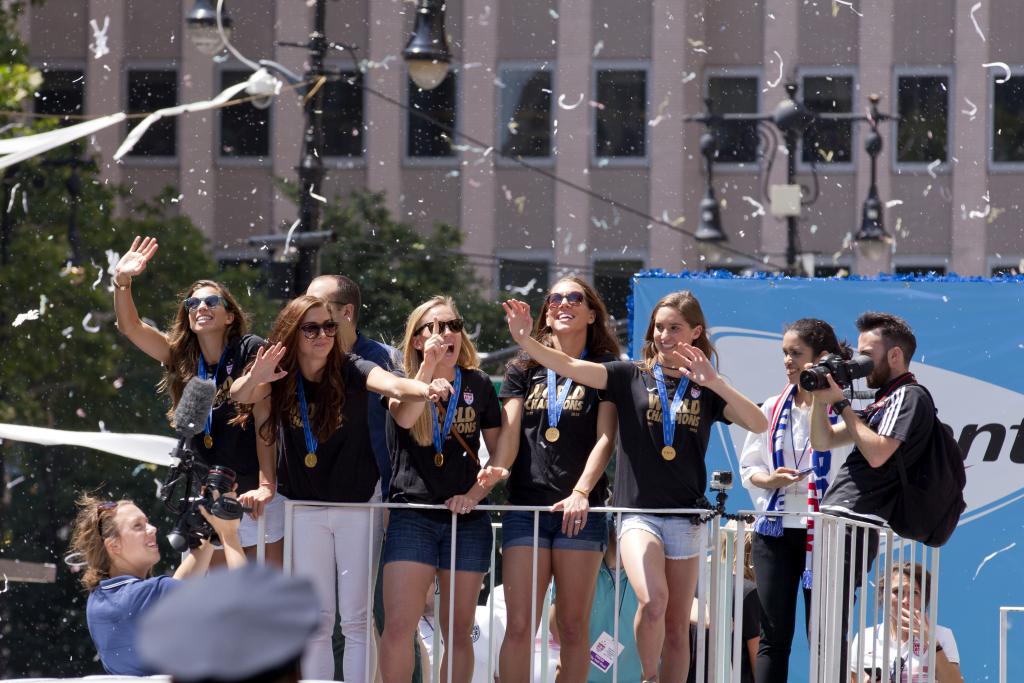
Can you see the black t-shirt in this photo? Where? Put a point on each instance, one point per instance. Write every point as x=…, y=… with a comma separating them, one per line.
x=345, y=469
x=233, y=446
x=415, y=478
x=644, y=479
x=867, y=492
x=545, y=472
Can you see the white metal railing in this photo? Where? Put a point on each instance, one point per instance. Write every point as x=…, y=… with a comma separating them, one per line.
x=719, y=645
x=1004, y=624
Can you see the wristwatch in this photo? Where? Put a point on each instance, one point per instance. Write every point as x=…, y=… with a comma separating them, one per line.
x=839, y=406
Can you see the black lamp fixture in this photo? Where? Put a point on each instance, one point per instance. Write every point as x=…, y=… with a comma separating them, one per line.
x=201, y=24
x=872, y=240
x=427, y=53
x=710, y=235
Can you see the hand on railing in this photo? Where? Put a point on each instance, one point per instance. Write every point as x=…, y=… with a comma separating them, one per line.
x=257, y=499
x=574, y=511
x=461, y=504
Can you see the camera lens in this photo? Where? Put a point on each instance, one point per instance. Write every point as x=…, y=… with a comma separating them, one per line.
x=221, y=478
x=814, y=378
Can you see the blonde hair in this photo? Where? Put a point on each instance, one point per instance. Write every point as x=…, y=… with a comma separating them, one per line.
x=686, y=304
x=94, y=524
x=423, y=430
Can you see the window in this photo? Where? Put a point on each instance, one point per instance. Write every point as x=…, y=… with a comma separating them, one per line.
x=525, y=124
x=828, y=142
x=244, y=129
x=737, y=140
x=343, y=116
x=613, y=281
x=911, y=269
x=1008, y=121
x=526, y=280
x=923, y=106
x=149, y=90
x=621, y=114
x=426, y=139
x=62, y=92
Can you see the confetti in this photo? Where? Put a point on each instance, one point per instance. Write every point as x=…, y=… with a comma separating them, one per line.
x=1000, y=65
x=931, y=169
x=689, y=77
x=66, y=332
x=291, y=231
x=22, y=318
x=6, y=586
x=836, y=3
x=99, y=45
x=563, y=105
x=318, y=197
x=779, y=79
x=598, y=46
x=660, y=116
x=520, y=203
x=99, y=277
x=80, y=413
x=93, y=329
x=367, y=64
x=893, y=202
x=14, y=193
x=758, y=206
x=974, y=20
x=973, y=108
x=118, y=383
x=981, y=214
x=11, y=484
x=553, y=13
x=989, y=557
x=524, y=290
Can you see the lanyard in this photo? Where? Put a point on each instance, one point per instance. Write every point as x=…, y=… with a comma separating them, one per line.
x=556, y=401
x=203, y=372
x=311, y=440
x=668, y=417
x=439, y=435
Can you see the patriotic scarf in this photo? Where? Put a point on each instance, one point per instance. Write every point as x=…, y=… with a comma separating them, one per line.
x=817, y=485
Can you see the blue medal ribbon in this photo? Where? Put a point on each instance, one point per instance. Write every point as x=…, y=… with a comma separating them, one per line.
x=449, y=418
x=203, y=374
x=556, y=398
x=311, y=441
x=668, y=417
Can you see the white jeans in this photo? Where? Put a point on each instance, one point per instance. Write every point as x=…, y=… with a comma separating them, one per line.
x=330, y=548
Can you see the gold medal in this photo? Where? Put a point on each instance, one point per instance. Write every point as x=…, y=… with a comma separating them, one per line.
x=552, y=434
x=438, y=459
x=310, y=460
x=208, y=441
x=668, y=453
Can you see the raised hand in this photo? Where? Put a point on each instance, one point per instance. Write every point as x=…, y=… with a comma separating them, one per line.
x=433, y=350
x=264, y=369
x=695, y=365
x=490, y=476
x=134, y=261
x=439, y=389
x=520, y=322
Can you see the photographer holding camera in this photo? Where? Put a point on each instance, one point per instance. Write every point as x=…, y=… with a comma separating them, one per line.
x=898, y=424
x=118, y=548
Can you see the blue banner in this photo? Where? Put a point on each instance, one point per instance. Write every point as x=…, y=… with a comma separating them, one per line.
x=970, y=355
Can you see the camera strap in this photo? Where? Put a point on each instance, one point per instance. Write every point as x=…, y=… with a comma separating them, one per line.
x=902, y=380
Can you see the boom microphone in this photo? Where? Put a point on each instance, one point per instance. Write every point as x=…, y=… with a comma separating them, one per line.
x=194, y=407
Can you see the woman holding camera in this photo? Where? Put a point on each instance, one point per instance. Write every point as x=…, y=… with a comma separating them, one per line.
x=207, y=339
x=784, y=474
x=309, y=399
x=667, y=402
x=118, y=547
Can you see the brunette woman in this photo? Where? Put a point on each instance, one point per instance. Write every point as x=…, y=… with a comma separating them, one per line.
x=557, y=437
x=784, y=474
x=662, y=461
x=435, y=457
x=310, y=401
x=208, y=339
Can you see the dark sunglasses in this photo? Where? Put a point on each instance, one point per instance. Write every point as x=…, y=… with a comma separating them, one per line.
x=312, y=330
x=574, y=298
x=100, y=509
x=212, y=301
x=452, y=325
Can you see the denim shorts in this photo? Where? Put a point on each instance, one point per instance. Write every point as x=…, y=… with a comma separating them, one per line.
x=426, y=537
x=680, y=537
x=248, y=530
x=517, y=530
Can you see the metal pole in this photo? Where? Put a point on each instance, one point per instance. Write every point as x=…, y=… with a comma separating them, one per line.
x=791, y=237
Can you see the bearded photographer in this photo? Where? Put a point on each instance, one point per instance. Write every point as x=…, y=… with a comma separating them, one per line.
x=118, y=548
x=898, y=424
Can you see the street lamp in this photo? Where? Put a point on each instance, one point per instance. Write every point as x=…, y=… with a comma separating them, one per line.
x=872, y=240
x=201, y=23
x=427, y=54
x=710, y=235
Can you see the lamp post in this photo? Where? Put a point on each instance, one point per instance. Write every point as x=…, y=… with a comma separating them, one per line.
x=793, y=120
x=429, y=49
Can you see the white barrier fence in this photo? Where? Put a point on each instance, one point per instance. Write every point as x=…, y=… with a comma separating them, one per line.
x=1004, y=625
x=844, y=560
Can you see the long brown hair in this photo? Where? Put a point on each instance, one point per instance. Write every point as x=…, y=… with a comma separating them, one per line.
x=93, y=525
x=423, y=430
x=184, y=343
x=601, y=340
x=686, y=304
x=330, y=394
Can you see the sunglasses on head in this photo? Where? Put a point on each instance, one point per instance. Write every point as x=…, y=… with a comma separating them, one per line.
x=312, y=330
x=574, y=298
x=212, y=301
x=452, y=325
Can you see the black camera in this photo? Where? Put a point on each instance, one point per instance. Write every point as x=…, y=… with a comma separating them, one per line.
x=721, y=481
x=191, y=528
x=843, y=371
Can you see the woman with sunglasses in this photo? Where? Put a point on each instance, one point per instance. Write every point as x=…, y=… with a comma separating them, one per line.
x=208, y=338
x=662, y=461
x=309, y=399
x=435, y=460
x=116, y=547
x=557, y=437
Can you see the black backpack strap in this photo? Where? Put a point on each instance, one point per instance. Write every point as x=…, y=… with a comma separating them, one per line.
x=904, y=479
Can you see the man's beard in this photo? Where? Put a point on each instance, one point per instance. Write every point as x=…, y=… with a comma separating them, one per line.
x=881, y=375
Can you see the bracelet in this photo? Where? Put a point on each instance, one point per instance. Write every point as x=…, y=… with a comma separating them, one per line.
x=583, y=492
x=839, y=406
x=122, y=288
x=267, y=484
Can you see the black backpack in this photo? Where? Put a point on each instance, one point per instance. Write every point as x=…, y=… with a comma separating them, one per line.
x=932, y=498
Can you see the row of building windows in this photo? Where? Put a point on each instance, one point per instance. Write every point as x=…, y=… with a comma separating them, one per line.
x=527, y=103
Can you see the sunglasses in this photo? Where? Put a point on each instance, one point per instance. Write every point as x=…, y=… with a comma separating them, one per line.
x=574, y=298
x=451, y=325
x=100, y=509
x=212, y=301
x=312, y=330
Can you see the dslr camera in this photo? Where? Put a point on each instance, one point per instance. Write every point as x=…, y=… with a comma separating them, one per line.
x=843, y=371
x=191, y=528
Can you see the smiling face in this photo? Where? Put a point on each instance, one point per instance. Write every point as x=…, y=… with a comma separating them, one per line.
x=671, y=331
x=453, y=340
x=205, y=319
x=319, y=347
x=795, y=354
x=134, y=551
x=566, y=316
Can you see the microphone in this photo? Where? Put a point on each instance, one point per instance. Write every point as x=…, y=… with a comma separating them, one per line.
x=194, y=407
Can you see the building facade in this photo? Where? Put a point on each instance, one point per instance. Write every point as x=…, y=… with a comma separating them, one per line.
x=593, y=93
